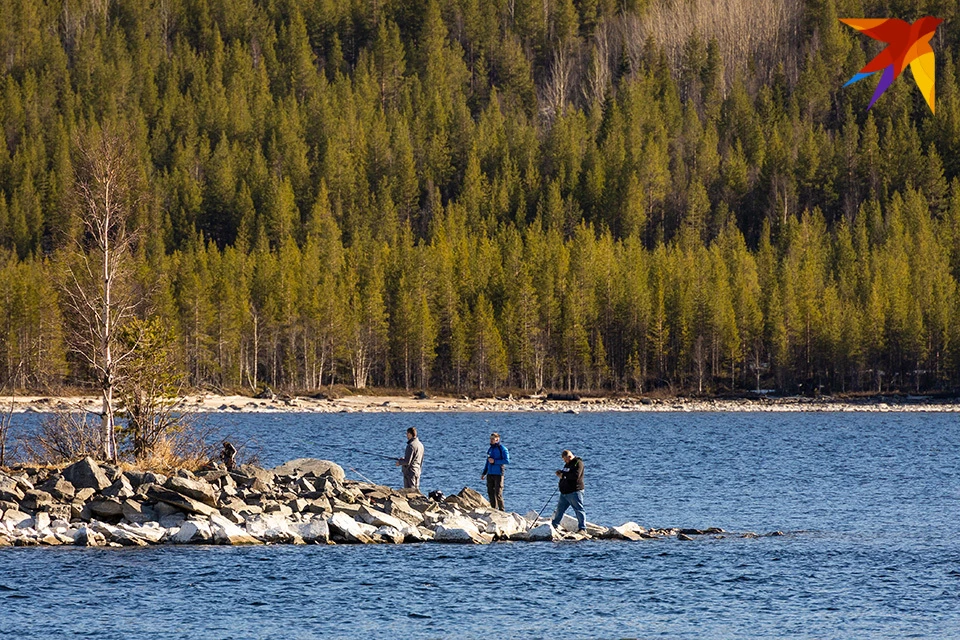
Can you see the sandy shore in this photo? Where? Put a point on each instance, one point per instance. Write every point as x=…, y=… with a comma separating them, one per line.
x=391, y=404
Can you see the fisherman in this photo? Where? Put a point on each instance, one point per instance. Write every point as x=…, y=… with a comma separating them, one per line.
x=571, y=491
x=497, y=456
x=412, y=460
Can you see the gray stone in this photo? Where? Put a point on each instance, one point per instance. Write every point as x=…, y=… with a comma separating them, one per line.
x=84, y=494
x=181, y=502
x=10, y=489
x=86, y=474
x=348, y=529
x=41, y=520
x=172, y=520
x=311, y=466
x=253, y=477
x=87, y=537
x=15, y=519
x=379, y=518
x=60, y=488
x=400, y=508
x=316, y=530
x=543, y=532
x=137, y=512
x=390, y=534
x=36, y=499
x=468, y=499
x=121, y=488
x=108, y=508
x=193, y=531
x=199, y=490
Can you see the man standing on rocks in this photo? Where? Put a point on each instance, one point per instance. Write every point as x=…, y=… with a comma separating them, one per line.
x=571, y=491
x=497, y=456
x=412, y=460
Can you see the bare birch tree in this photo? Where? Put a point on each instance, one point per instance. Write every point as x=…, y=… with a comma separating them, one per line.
x=98, y=292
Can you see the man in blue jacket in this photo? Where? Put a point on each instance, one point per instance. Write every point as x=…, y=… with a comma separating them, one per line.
x=497, y=456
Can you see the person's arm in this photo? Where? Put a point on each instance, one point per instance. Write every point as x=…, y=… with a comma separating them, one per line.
x=500, y=455
x=407, y=456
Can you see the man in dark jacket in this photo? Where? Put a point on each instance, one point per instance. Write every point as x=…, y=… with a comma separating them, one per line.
x=497, y=456
x=412, y=460
x=571, y=491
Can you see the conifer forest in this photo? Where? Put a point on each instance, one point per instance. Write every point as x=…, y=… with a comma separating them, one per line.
x=482, y=196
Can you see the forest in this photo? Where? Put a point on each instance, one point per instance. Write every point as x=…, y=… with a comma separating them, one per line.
x=482, y=196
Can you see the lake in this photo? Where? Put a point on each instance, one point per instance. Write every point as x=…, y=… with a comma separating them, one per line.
x=867, y=503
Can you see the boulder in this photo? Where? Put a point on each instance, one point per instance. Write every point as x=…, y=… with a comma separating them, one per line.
x=121, y=488
x=192, y=531
x=108, y=508
x=400, y=508
x=137, y=512
x=543, y=532
x=86, y=474
x=10, y=489
x=470, y=499
x=196, y=489
x=84, y=494
x=502, y=524
x=269, y=528
x=41, y=520
x=310, y=467
x=36, y=499
x=462, y=535
x=60, y=488
x=389, y=534
x=14, y=519
x=628, y=531
x=152, y=533
x=179, y=501
x=315, y=530
x=172, y=520
x=348, y=528
x=252, y=477
x=379, y=518
x=87, y=537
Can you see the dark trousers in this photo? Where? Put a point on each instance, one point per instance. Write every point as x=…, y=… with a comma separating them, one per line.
x=495, y=491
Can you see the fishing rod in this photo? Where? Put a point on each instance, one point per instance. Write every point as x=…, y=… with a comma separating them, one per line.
x=369, y=453
x=361, y=475
x=546, y=503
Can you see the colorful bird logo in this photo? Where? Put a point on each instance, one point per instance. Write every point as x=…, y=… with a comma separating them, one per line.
x=909, y=44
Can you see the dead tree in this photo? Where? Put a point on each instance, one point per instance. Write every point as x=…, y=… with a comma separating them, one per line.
x=98, y=291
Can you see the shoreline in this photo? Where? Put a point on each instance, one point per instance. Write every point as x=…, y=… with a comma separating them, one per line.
x=211, y=403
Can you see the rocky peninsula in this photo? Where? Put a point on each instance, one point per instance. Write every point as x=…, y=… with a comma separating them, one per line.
x=305, y=501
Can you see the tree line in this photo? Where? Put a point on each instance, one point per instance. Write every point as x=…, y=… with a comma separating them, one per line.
x=452, y=194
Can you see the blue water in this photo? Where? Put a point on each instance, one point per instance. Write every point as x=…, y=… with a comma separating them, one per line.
x=868, y=504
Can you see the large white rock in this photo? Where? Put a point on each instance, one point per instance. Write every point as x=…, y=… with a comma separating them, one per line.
x=14, y=519
x=269, y=528
x=629, y=531
x=461, y=534
x=379, y=518
x=151, y=532
x=316, y=530
x=543, y=532
x=503, y=525
x=390, y=534
x=192, y=531
x=459, y=522
x=350, y=528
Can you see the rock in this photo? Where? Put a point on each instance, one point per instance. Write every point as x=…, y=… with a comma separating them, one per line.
x=400, y=508
x=315, y=530
x=59, y=512
x=252, y=477
x=172, y=520
x=683, y=536
x=501, y=524
x=200, y=490
x=36, y=499
x=348, y=528
x=269, y=528
x=10, y=489
x=151, y=533
x=14, y=519
x=41, y=520
x=459, y=533
x=379, y=518
x=121, y=488
x=109, y=508
x=84, y=494
x=468, y=499
x=269, y=506
x=628, y=531
x=60, y=488
x=543, y=532
x=181, y=502
x=137, y=512
x=192, y=531
x=390, y=534
x=86, y=474
x=87, y=537
x=311, y=466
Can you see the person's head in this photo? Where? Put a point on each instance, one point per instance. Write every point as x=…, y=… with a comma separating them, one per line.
x=494, y=438
x=411, y=433
x=567, y=455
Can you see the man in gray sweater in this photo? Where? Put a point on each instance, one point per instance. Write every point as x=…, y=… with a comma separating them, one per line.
x=412, y=460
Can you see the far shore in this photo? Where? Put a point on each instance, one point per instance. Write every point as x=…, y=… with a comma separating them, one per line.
x=211, y=403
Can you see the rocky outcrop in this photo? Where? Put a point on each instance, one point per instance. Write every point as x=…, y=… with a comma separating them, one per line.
x=304, y=501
